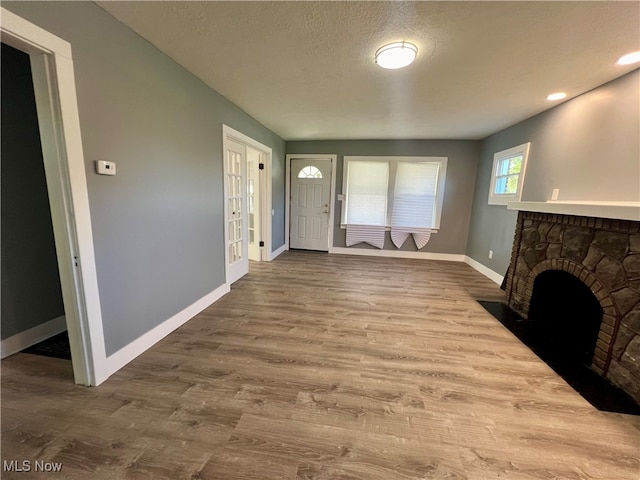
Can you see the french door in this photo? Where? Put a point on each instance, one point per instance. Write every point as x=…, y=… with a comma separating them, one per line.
x=236, y=212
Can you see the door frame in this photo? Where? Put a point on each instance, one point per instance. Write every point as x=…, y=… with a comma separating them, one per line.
x=332, y=193
x=265, y=180
x=59, y=124
x=258, y=181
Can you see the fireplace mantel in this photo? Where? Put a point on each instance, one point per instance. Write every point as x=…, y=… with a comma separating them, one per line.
x=614, y=210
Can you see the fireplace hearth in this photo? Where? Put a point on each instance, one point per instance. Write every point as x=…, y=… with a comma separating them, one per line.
x=576, y=282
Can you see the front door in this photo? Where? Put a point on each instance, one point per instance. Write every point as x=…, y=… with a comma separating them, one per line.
x=310, y=203
x=236, y=210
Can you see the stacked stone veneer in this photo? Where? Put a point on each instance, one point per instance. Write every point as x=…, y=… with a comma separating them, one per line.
x=605, y=255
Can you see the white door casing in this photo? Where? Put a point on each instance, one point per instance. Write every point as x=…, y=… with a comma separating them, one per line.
x=310, y=203
x=235, y=186
x=254, y=203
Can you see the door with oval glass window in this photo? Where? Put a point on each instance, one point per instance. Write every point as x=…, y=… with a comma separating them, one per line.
x=310, y=203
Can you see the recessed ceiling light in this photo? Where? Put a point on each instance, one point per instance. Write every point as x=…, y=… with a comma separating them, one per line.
x=557, y=96
x=396, y=55
x=629, y=58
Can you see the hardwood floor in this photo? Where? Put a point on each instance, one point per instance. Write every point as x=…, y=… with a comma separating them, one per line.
x=322, y=366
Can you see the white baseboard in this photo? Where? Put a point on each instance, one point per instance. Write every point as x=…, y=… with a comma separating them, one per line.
x=278, y=252
x=486, y=271
x=126, y=354
x=22, y=340
x=450, y=257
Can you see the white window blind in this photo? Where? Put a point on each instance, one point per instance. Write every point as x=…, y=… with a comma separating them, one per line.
x=401, y=194
x=414, y=195
x=366, y=195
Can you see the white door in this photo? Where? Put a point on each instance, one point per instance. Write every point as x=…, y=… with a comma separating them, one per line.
x=253, y=203
x=310, y=203
x=236, y=211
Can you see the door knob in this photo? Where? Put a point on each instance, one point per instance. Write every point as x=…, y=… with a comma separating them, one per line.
x=326, y=211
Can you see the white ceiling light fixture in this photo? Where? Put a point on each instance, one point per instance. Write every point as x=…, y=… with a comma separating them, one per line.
x=396, y=55
x=557, y=96
x=629, y=58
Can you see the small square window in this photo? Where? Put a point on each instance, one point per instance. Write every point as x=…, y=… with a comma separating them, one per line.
x=507, y=175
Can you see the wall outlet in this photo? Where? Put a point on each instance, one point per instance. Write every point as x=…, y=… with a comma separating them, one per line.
x=490, y=254
x=105, y=168
x=554, y=193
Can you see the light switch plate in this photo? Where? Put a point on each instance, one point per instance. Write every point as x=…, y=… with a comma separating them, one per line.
x=105, y=168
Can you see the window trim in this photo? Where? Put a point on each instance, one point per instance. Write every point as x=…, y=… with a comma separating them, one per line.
x=505, y=198
x=393, y=161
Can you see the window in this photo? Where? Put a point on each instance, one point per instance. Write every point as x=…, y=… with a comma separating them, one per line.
x=508, y=174
x=398, y=191
x=310, y=172
x=367, y=188
x=414, y=195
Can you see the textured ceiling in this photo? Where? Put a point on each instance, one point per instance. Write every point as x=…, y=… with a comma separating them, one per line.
x=306, y=71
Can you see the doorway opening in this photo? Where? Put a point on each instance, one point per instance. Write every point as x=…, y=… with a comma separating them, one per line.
x=247, y=201
x=32, y=305
x=64, y=170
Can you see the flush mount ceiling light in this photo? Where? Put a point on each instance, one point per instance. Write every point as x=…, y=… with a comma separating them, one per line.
x=629, y=58
x=396, y=55
x=557, y=96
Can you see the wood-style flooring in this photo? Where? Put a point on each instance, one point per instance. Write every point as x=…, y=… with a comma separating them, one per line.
x=321, y=366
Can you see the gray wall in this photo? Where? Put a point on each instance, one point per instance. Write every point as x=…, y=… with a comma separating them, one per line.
x=588, y=147
x=458, y=193
x=31, y=292
x=158, y=224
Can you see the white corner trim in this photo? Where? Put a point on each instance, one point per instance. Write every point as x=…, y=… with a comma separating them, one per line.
x=277, y=252
x=126, y=354
x=486, y=271
x=22, y=340
x=449, y=257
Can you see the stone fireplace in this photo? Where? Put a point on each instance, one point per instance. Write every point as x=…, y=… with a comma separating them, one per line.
x=604, y=256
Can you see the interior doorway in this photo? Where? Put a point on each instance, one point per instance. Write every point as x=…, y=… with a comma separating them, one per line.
x=59, y=127
x=247, y=200
x=32, y=305
x=29, y=263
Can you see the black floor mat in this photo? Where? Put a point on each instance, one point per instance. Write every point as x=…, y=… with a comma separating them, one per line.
x=56, y=346
x=595, y=389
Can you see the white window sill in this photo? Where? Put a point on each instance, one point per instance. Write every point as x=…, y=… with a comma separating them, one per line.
x=343, y=226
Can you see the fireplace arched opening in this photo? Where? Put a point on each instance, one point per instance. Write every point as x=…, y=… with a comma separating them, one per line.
x=564, y=318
